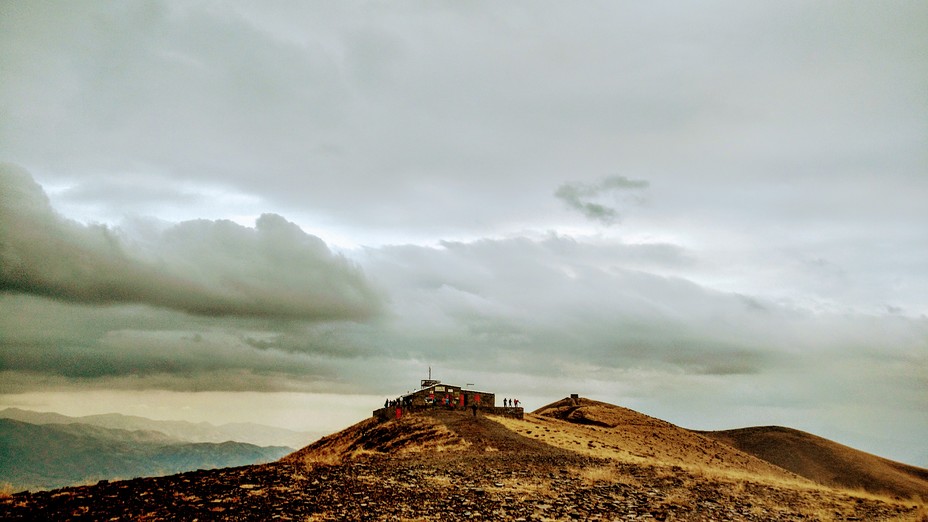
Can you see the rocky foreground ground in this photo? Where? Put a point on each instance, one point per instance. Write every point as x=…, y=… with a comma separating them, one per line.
x=498, y=475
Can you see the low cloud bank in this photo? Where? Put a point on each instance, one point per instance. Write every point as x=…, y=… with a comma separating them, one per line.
x=208, y=268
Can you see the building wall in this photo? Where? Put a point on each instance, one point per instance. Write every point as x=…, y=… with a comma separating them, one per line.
x=436, y=395
x=386, y=414
x=481, y=399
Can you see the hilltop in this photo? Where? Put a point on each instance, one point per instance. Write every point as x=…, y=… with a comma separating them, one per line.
x=827, y=462
x=575, y=459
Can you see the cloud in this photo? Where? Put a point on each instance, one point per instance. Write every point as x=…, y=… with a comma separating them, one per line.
x=559, y=306
x=427, y=113
x=776, y=134
x=179, y=360
x=210, y=268
x=582, y=196
x=536, y=317
x=547, y=301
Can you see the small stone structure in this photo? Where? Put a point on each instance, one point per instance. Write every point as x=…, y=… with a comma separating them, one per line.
x=435, y=394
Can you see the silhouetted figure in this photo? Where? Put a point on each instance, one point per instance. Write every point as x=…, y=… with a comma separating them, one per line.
x=473, y=408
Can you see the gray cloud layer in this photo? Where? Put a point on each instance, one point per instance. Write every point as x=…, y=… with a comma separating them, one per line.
x=213, y=268
x=423, y=111
x=777, y=269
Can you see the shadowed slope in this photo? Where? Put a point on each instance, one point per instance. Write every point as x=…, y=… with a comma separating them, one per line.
x=827, y=462
x=430, y=431
x=409, y=434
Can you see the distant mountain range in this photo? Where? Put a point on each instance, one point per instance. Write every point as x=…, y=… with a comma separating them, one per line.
x=47, y=450
x=257, y=434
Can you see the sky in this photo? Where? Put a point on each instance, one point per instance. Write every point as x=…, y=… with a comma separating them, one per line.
x=713, y=213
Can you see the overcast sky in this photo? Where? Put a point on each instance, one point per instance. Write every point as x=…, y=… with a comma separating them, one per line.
x=714, y=213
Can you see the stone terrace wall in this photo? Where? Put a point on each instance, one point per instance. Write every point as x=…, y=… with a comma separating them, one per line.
x=508, y=411
x=385, y=414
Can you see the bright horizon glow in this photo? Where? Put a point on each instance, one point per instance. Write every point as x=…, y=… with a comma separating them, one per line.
x=315, y=412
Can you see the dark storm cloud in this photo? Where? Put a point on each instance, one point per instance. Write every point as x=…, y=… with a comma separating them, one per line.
x=177, y=360
x=211, y=268
x=48, y=343
x=583, y=197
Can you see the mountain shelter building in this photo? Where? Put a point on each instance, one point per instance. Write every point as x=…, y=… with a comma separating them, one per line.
x=432, y=392
x=436, y=394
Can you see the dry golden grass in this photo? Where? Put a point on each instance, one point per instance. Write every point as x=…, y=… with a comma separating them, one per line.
x=763, y=494
x=410, y=434
x=322, y=458
x=827, y=462
x=525, y=490
x=596, y=474
x=682, y=467
x=665, y=450
x=659, y=444
x=920, y=514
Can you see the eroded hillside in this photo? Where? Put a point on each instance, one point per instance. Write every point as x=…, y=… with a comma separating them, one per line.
x=449, y=465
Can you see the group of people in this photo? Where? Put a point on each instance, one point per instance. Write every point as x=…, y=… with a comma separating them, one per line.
x=402, y=402
x=448, y=401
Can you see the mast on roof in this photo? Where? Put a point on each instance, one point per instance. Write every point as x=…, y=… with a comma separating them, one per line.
x=425, y=383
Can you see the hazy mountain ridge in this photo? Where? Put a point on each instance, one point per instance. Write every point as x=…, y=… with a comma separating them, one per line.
x=36, y=456
x=257, y=434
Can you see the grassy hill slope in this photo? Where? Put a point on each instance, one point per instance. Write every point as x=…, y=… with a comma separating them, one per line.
x=827, y=462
